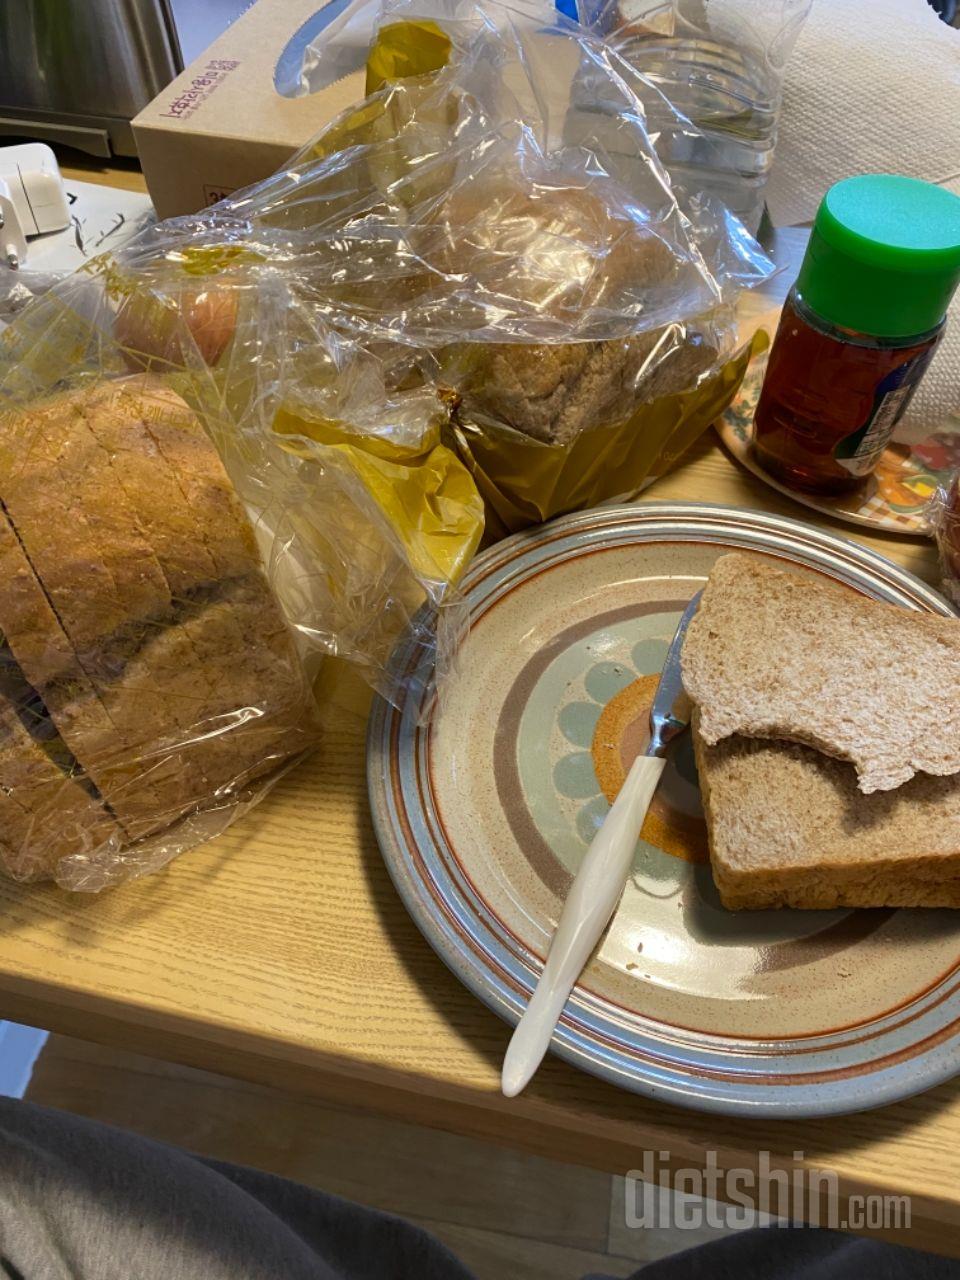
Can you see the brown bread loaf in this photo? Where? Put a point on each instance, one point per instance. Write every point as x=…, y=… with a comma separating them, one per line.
x=50, y=665
x=140, y=614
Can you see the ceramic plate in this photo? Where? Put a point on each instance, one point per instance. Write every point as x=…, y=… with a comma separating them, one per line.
x=895, y=497
x=485, y=807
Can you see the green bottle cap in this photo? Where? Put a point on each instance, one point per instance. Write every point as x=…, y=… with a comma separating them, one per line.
x=884, y=256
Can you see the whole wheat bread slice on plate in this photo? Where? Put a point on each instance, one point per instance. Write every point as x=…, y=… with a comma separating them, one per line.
x=788, y=827
x=772, y=654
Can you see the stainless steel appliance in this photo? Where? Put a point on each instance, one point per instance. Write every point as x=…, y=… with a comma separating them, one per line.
x=78, y=71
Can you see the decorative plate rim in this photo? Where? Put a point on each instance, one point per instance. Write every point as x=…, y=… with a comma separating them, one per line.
x=579, y=1037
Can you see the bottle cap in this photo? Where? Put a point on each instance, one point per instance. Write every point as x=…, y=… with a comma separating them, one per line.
x=884, y=256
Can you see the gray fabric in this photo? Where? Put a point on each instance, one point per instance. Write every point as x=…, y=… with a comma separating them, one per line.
x=80, y=1201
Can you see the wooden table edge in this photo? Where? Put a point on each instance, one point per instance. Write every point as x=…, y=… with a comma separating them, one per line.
x=527, y=1123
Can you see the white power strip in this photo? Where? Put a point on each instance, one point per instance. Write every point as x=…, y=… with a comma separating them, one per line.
x=101, y=218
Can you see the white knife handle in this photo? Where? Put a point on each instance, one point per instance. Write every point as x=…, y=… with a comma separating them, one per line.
x=593, y=898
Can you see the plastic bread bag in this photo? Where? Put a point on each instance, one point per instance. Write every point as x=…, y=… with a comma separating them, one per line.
x=259, y=430
x=340, y=459
x=172, y=574
x=151, y=685
x=535, y=269
x=943, y=516
x=265, y=434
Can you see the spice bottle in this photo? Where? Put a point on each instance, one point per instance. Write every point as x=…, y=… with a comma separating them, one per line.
x=858, y=330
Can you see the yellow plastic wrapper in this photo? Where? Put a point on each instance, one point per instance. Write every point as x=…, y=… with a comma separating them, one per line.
x=404, y=49
x=422, y=491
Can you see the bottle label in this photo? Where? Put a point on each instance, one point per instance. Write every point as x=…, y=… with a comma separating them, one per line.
x=860, y=451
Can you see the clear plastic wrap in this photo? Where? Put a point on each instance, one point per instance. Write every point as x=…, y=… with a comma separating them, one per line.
x=172, y=572
x=269, y=432
x=943, y=516
x=484, y=228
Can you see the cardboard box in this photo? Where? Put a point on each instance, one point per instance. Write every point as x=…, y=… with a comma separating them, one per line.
x=222, y=125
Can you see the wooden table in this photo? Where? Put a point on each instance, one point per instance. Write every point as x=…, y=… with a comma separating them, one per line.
x=281, y=953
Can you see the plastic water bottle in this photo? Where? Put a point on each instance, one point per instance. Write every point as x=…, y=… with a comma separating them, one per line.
x=718, y=65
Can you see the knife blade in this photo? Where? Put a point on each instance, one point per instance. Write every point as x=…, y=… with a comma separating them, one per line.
x=670, y=709
x=598, y=884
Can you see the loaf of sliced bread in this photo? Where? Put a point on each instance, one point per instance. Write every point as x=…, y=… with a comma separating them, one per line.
x=107, y=588
x=773, y=654
x=789, y=827
x=137, y=616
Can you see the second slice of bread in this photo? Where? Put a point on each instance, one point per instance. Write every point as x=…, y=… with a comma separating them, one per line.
x=771, y=654
x=789, y=828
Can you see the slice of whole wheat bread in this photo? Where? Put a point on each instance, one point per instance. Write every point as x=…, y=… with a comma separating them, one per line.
x=48, y=809
x=771, y=654
x=114, y=412
x=227, y=537
x=788, y=827
x=98, y=490
x=50, y=665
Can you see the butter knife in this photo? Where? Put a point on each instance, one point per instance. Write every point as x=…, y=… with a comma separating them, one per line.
x=599, y=883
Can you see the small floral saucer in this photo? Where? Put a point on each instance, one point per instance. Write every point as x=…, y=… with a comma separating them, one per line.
x=895, y=498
